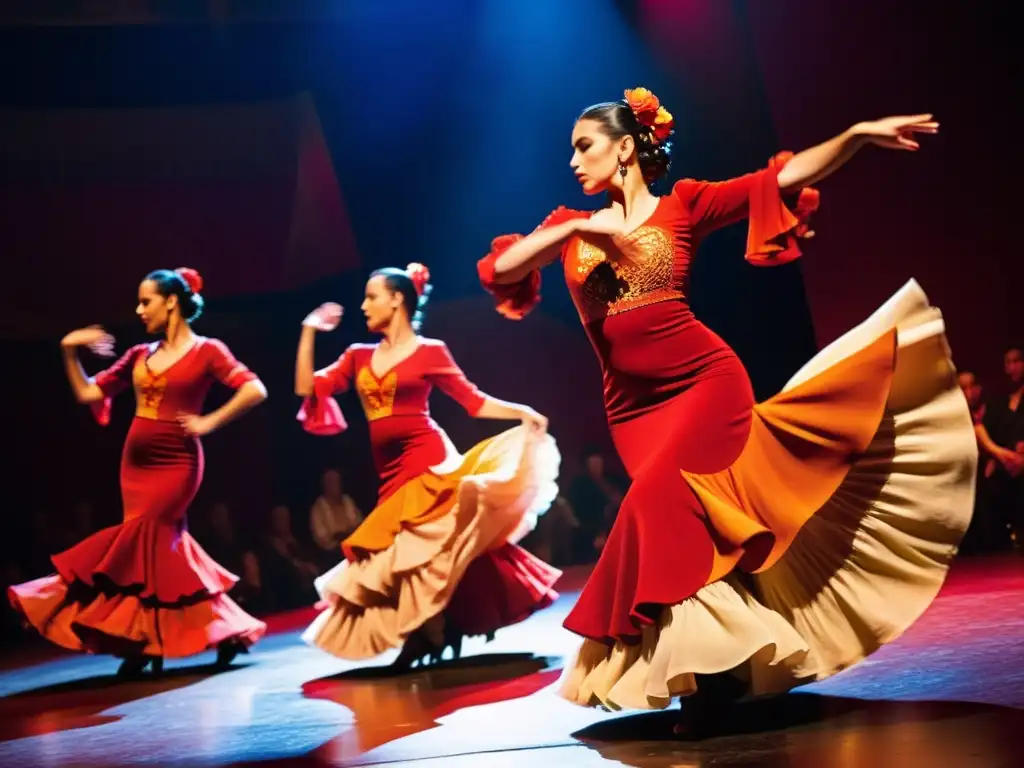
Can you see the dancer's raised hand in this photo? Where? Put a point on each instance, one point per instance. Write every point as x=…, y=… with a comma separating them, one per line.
x=326, y=317
x=94, y=338
x=898, y=132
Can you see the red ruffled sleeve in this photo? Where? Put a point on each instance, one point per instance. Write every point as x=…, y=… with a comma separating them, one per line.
x=112, y=381
x=320, y=413
x=101, y=410
x=515, y=300
x=774, y=229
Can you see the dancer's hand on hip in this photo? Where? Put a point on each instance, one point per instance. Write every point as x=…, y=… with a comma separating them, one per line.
x=195, y=425
x=326, y=317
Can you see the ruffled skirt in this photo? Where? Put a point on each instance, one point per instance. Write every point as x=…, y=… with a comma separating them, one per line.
x=856, y=552
x=145, y=586
x=141, y=587
x=463, y=561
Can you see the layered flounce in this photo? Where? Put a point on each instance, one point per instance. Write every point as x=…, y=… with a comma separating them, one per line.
x=833, y=531
x=436, y=533
x=139, y=587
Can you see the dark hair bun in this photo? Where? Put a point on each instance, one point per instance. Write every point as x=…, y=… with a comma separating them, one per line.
x=192, y=302
x=192, y=307
x=655, y=160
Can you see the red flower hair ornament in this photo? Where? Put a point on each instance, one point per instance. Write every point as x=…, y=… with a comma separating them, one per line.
x=192, y=279
x=650, y=114
x=419, y=275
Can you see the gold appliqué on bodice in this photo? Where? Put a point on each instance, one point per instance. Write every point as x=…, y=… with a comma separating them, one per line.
x=377, y=396
x=149, y=391
x=641, y=274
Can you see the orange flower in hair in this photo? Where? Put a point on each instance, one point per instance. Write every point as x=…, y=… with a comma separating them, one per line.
x=664, y=124
x=645, y=105
x=419, y=275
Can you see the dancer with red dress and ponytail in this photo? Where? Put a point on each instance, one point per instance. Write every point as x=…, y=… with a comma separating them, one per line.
x=145, y=590
x=436, y=560
x=761, y=545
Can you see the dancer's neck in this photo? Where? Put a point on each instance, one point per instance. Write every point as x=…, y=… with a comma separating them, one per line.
x=397, y=335
x=631, y=193
x=178, y=335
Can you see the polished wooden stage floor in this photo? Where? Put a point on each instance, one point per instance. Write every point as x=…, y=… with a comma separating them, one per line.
x=949, y=693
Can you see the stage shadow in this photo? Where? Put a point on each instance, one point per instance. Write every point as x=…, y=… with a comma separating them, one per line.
x=496, y=662
x=77, y=704
x=812, y=729
x=386, y=706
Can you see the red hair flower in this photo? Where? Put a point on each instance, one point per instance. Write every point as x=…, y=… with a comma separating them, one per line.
x=192, y=278
x=664, y=124
x=419, y=275
x=649, y=113
x=644, y=105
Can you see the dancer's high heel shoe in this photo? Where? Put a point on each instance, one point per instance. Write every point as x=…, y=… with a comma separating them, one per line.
x=415, y=649
x=452, y=639
x=703, y=715
x=226, y=653
x=132, y=667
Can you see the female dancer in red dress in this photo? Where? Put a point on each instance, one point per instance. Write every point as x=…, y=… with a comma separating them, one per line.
x=145, y=590
x=841, y=500
x=436, y=559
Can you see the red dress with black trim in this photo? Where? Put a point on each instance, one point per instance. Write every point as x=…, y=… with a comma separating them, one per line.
x=146, y=586
x=783, y=492
x=442, y=536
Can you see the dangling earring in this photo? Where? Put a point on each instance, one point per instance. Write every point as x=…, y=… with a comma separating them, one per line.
x=622, y=170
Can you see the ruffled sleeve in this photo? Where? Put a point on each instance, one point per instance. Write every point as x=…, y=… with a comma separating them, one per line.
x=111, y=381
x=515, y=300
x=775, y=227
x=320, y=413
x=101, y=411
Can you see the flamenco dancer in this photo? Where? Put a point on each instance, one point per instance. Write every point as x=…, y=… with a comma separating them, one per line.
x=436, y=560
x=145, y=590
x=761, y=546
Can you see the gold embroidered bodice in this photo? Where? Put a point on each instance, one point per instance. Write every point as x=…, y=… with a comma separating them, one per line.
x=149, y=390
x=638, y=270
x=376, y=395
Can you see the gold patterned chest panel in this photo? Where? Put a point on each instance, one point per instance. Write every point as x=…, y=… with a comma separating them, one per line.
x=641, y=272
x=377, y=396
x=149, y=391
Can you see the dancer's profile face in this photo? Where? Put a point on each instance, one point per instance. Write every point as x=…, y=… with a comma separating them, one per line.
x=379, y=304
x=153, y=309
x=595, y=157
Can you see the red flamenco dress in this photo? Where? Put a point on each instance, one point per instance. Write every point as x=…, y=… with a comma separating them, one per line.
x=145, y=587
x=780, y=541
x=442, y=536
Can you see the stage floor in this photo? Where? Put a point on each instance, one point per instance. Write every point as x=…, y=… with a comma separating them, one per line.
x=948, y=693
